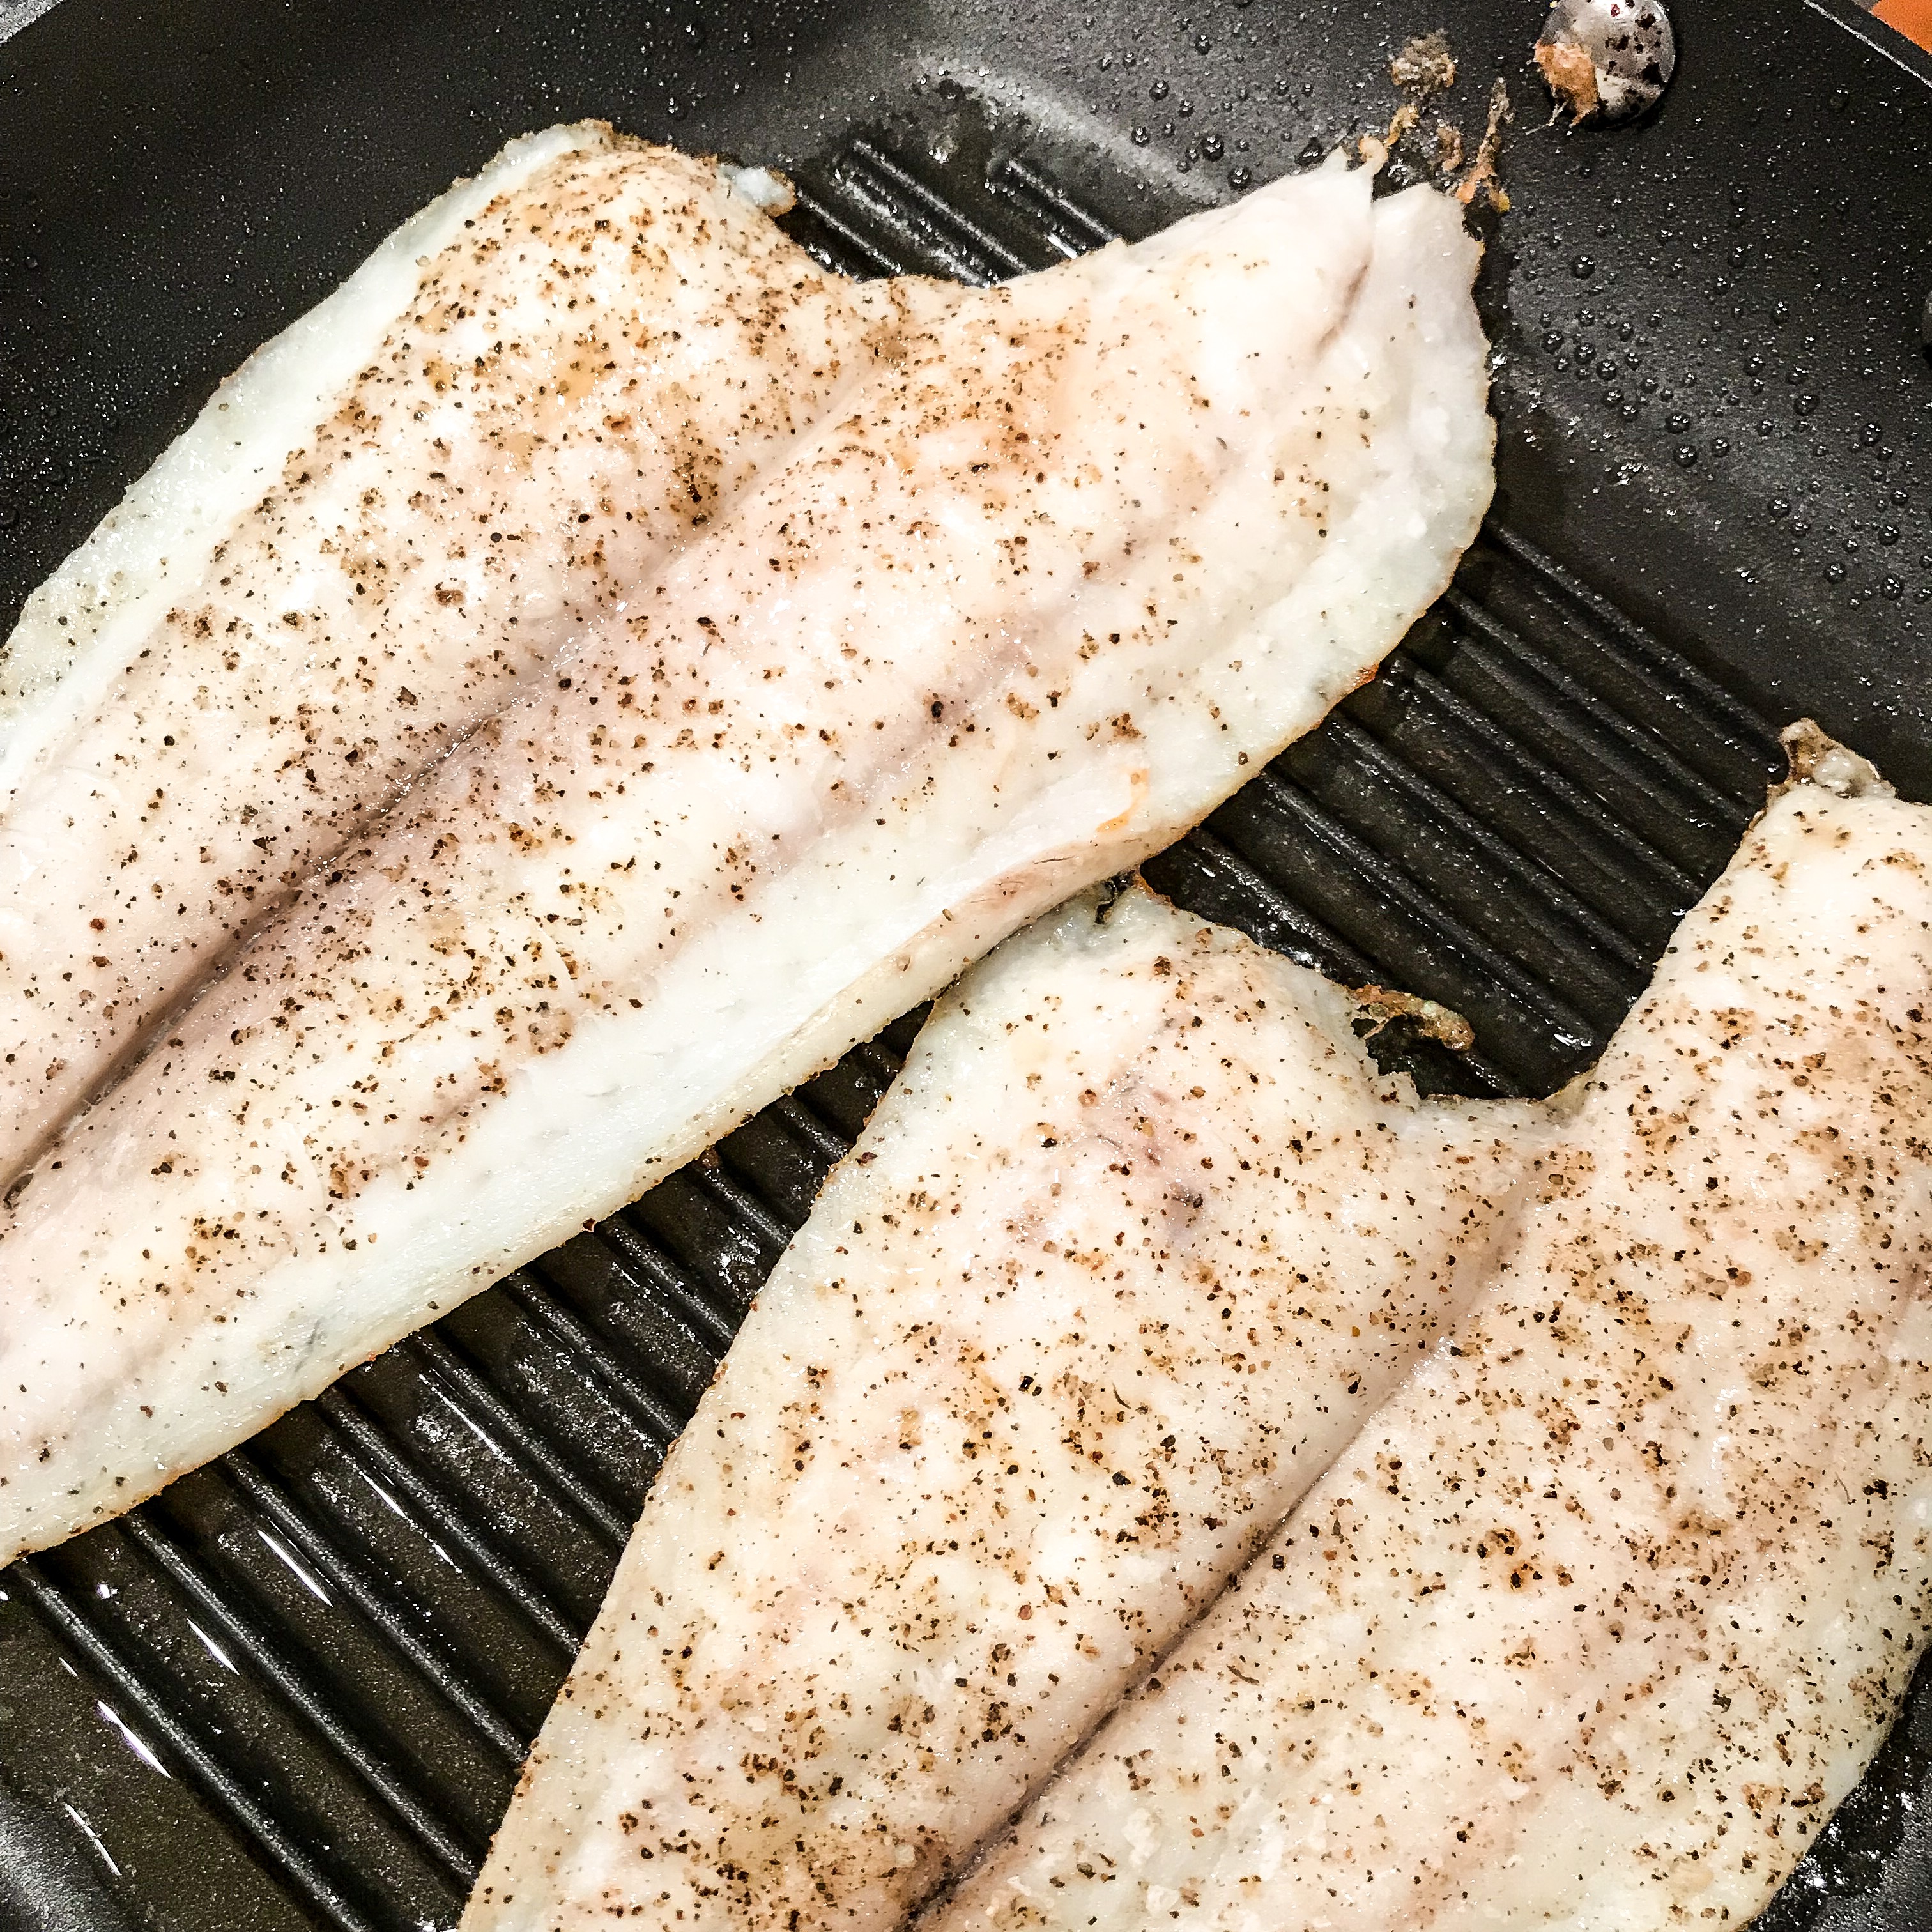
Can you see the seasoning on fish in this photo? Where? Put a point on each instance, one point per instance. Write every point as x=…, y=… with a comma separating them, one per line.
x=1136, y=1243
x=1599, y=1619
x=413, y=498
x=1026, y=605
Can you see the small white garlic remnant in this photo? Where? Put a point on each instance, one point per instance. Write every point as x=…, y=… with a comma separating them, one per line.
x=763, y=187
x=1607, y=60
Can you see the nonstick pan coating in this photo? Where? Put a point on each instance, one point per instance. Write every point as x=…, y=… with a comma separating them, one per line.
x=294, y=1691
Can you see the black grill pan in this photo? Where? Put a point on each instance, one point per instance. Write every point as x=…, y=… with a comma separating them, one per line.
x=293, y=1692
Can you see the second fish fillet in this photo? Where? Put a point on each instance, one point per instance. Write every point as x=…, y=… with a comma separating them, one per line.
x=1599, y=1620
x=1025, y=606
x=1136, y=1243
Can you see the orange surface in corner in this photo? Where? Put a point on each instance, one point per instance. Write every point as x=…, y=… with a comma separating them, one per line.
x=1912, y=18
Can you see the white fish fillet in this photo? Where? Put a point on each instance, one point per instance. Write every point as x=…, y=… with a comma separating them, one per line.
x=1137, y=1242
x=1598, y=1621
x=1024, y=606
x=522, y=403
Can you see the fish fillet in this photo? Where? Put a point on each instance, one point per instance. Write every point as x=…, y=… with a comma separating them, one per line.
x=1598, y=1621
x=1134, y=1246
x=414, y=498
x=1026, y=605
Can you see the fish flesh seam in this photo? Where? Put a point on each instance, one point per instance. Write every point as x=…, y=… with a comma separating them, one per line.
x=412, y=501
x=1136, y=1243
x=1596, y=1622
x=1023, y=609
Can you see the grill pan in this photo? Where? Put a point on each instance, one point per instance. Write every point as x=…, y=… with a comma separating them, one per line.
x=293, y=1692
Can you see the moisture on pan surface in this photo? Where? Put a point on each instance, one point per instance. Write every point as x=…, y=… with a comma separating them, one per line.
x=294, y=1691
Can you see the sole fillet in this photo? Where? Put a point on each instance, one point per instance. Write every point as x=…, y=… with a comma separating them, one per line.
x=1599, y=1620
x=1137, y=1242
x=1026, y=605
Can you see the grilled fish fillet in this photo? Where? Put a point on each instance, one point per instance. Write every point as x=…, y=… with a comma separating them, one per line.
x=1598, y=1621
x=1136, y=1243
x=529, y=397
x=1026, y=605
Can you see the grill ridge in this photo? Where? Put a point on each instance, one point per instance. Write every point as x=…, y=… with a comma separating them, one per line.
x=1744, y=727
x=926, y=217
x=657, y=1420
x=1525, y=869
x=1568, y=803
x=1066, y=227
x=440, y=1363
x=395, y=1627
x=1398, y=888
x=633, y=1256
x=1514, y=664
x=295, y=1687
x=367, y=1445
x=264, y=1832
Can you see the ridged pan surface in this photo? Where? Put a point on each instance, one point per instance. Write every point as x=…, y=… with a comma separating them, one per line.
x=294, y=1691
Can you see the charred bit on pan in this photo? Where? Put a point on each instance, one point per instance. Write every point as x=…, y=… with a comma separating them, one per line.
x=1483, y=178
x=1424, y=68
x=1381, y=1004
